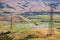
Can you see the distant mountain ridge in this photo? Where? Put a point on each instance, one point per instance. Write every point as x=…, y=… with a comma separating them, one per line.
x=19, y=6
x=25, y=8
x=3, y=5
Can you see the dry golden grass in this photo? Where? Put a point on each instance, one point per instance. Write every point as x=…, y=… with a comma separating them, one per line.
x=55, y=35
x=41, y=34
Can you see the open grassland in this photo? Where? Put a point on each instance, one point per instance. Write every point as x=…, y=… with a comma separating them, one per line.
x=26, y=26
x=35, y=34
x=18, y=27
x=44, y=17
x=27, y=30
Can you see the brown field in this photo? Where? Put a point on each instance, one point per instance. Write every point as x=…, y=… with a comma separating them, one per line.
x=36, y=34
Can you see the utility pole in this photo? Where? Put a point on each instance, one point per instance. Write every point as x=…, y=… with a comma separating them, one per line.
x=0, y=23
x=50, y=30
x=11, y=22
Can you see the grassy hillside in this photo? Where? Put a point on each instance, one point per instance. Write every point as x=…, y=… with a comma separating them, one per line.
x=14, y=18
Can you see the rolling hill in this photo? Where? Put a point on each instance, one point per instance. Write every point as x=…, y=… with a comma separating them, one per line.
x=14, y=18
